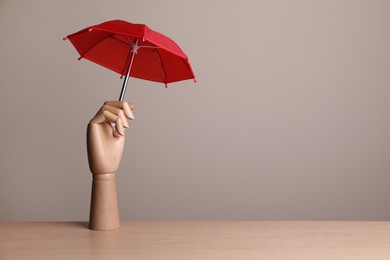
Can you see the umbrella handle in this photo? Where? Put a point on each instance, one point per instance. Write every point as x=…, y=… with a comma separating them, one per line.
x=133, y=52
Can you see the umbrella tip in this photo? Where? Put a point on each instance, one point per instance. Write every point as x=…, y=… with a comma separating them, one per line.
x=195, y=80
x=166, y=85
x=65, y=38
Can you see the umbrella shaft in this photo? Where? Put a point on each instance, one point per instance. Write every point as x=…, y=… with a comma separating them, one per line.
x=122, y=95
x=124, y=86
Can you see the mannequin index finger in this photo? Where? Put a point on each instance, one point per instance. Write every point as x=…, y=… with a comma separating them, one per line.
x=126, y=107
x=120, y=104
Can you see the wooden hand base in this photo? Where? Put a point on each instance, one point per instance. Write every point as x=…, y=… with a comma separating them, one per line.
x=104, y=213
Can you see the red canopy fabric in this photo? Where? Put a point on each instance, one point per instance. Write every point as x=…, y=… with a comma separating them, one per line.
x=109, y=44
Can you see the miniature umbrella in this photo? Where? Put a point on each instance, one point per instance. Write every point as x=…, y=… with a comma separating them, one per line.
x=133, y=50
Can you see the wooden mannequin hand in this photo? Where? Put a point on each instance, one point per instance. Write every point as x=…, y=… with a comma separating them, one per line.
x=106, y=136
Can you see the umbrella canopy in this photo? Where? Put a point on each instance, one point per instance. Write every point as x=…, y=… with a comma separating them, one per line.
x=133, y=50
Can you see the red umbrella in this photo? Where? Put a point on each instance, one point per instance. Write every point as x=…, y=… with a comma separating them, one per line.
x=133, y=50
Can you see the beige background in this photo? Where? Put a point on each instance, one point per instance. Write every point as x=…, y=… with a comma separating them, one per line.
x=289, y=118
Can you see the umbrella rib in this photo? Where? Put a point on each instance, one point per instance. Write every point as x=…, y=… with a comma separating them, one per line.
x=162, y=66
x=96, y=44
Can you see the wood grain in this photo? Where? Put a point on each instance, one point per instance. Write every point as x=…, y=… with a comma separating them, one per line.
x=197, y=240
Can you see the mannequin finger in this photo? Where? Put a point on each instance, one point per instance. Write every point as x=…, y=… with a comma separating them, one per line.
x=110, y=117
x=119, y=127
x=119, y=104
x=123, y=105
x=114, y=131
x=116, y=123
x=118, y=112
x=127, y=109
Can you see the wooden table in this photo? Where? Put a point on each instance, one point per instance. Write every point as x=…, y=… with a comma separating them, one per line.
x=197, y=240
